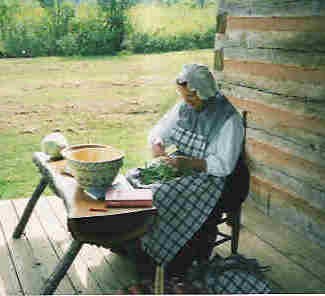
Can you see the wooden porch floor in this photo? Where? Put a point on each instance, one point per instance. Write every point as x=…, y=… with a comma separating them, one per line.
x=298, y=265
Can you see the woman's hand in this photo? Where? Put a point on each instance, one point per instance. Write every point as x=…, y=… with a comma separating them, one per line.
x=158, y=150
x=185, y=162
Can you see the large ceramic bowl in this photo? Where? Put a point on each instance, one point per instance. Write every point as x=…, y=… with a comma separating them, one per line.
x=93, y=165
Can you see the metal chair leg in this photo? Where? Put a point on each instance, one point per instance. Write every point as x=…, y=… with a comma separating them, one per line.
x=60, y=270
x=29, y=208
x=235, y=231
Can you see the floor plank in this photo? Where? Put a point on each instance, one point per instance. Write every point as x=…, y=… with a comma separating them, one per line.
x=45, y=255
x=29, y=271
x=78, y=272
x=290, y=276
x=9, y=283
x=123, y=267
x=297, y=264
x=118, y=273
x=93, y=256
x=295, y=247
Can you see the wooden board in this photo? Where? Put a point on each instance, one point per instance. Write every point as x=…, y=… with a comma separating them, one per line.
x=286, y=207
x=273, y=7
x=42, y=249
x=300, y=106
x=107, y=279
x=313, y=195
x=30, y=271
x=294, y=41
x=9, y=282
x=262, y=239
x=297, y=264
x=310, y=60
x=278, y=79
x=290, y=244
x=303, y=129
x=292, y=277
x=301, y=148
x=274, y=23
x=124, y=269
x=79, y=272
x=274, y=157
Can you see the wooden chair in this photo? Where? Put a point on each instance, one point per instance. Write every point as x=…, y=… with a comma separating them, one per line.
x=235, y=192
x=229, y=206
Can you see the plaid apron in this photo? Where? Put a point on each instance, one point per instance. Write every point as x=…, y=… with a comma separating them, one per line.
x=183, y=204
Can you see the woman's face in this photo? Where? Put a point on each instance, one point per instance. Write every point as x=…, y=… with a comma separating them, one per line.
x=190, y=97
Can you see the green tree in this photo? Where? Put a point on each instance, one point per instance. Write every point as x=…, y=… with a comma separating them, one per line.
x=7, y=10
x=60, y=14
x=116, y=18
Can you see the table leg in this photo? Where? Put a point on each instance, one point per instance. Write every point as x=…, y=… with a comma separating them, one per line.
x=159, y=280
x=29, y=208
x=60, y=270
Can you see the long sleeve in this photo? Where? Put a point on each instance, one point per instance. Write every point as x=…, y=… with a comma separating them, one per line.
x=224, y=150
x=162, y=130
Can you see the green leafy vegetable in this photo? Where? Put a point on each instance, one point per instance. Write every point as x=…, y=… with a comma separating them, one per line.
x=160, y=172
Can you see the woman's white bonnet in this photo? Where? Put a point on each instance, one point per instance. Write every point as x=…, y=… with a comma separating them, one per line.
x=198, y=78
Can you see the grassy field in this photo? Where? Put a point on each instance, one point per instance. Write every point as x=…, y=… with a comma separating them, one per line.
x=171, y=20
x=109, y=100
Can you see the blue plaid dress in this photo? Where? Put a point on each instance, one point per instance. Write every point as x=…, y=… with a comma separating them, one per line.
x=185, y=203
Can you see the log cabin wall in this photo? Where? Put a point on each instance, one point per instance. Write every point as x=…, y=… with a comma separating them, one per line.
x=270, y=61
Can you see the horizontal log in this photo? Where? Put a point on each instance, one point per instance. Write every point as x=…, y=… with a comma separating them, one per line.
x=307, y=151
x=294, y=24
x=288, y=208
x=279, y=117
x=305, y=131
x=290, y=244
x=309, y=60
x=275, y=71
x=279, y=79
x=273, y=7
x=288, y=40
x=303, y=106
x=269, y=155
x=312, y=195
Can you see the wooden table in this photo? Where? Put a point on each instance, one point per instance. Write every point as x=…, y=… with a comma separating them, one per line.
x=106, y=229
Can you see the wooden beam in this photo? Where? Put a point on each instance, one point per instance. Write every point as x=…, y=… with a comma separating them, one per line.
x=278, y=79
x=79, y=273
x=297, y=132
x=288, y=208
x=290, y=244
x=269, y=155
x=314, y=196
x=289, y=40
x=294, y=24
x=9, y=284
x=28, y=262
x=310, y=60
x=279, y=116
x=114, y=273
x=288, y=145
x=275, y=7
x=275, y=71
x=303, y=106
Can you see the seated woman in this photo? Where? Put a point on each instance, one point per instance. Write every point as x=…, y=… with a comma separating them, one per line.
x=208, y=132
